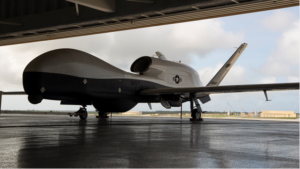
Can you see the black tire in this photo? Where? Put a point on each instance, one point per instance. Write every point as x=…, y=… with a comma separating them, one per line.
x=196, y=115
x=103, y=115
x=83, y=115
x=194, y=111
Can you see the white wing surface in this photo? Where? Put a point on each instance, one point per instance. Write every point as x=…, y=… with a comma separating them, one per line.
x=222, y=89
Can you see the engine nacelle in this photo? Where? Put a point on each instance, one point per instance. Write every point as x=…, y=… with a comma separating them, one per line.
x=148, y=66
x=174, y=73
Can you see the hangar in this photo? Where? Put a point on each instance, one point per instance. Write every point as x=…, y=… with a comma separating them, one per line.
x=266, y=113
x=23, y=21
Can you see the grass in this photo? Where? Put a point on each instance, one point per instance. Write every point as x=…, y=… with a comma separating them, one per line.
x=215, y=115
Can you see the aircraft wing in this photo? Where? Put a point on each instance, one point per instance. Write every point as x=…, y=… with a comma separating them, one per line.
x=12, y=93
x=222, y=89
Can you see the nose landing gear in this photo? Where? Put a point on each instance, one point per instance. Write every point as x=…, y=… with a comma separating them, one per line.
x=82, y=113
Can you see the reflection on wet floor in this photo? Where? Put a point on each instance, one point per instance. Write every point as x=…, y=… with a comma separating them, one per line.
x=59, y=141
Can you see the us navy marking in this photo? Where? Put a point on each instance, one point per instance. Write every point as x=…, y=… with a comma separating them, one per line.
x=177, y=79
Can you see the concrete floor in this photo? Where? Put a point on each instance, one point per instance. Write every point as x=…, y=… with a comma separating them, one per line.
x=29, y=141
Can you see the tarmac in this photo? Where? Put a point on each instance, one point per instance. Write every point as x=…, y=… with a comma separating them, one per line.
x=49, y=141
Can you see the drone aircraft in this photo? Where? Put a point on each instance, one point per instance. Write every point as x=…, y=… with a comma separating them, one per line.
x=78, y=78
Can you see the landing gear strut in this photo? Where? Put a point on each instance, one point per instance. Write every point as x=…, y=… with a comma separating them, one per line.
x=196, y=112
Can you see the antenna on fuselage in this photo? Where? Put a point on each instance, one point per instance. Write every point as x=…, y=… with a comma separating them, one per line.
x=160, y=55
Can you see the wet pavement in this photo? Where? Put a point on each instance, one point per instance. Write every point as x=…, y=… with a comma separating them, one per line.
x=29, y=141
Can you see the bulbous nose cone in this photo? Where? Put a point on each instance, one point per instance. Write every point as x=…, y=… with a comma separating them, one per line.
x=72, y=62
x=40, y=71
x=53, y=72
x=63, y=61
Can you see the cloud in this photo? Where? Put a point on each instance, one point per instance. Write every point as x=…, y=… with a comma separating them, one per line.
x=293, y=78
x=279, y=20
x=268, y=80
x=200, y=38
x=176, y=42
x=284, y=59
x=10, y=70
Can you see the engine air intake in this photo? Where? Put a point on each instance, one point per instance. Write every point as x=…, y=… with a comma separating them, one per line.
x=141, y=65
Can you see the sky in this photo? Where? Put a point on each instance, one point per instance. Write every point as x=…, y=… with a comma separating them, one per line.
x=272, y=56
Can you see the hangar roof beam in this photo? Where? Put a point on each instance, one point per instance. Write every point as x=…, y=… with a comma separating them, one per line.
x=11, y=23
x=143, y=1
x=101, y=5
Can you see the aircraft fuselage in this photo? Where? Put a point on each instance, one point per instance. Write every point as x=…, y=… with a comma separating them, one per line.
x=78, y=78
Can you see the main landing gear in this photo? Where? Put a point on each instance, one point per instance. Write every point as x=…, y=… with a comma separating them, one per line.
x=82, y=113
x=102, y=115
x=196, y=112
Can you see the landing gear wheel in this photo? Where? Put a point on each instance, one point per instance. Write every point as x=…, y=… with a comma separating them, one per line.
x=196, y=115
x=102, y=115
x=83, y=115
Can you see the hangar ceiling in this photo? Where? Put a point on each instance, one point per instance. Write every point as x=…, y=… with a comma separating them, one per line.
x=24, y=21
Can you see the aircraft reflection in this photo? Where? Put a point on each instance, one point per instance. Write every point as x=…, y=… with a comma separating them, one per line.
x=125, y=142
x=109, y=144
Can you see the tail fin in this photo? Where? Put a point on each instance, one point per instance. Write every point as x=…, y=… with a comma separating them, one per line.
x=217, y=79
